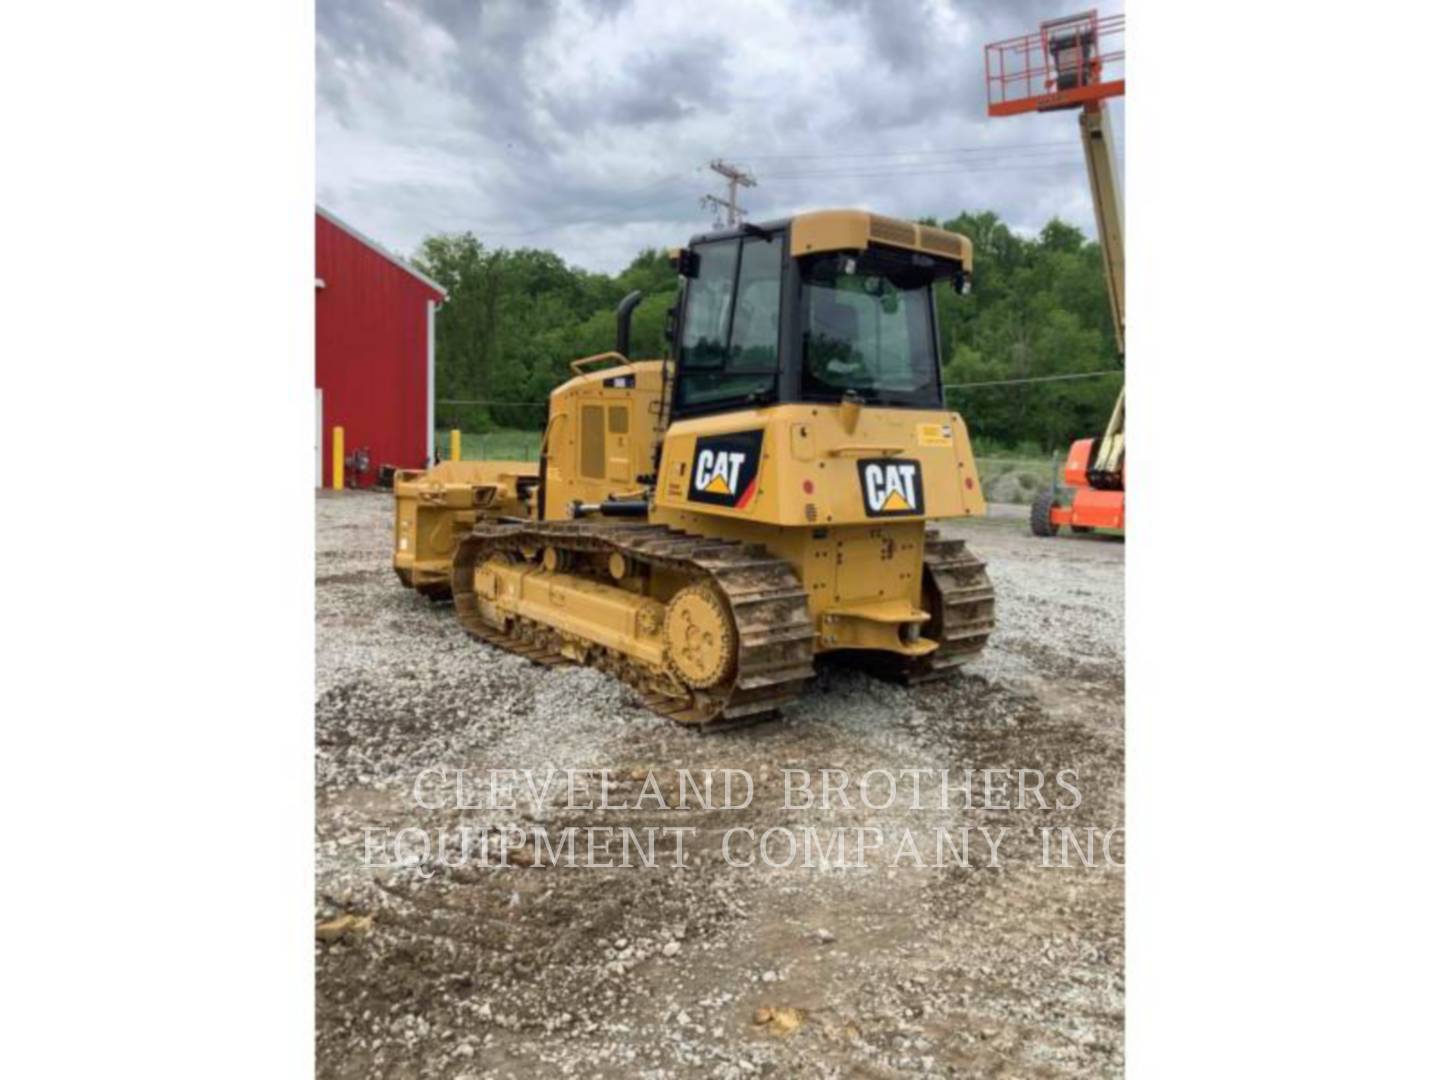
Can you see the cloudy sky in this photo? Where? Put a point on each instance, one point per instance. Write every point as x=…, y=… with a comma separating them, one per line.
x=585, y=126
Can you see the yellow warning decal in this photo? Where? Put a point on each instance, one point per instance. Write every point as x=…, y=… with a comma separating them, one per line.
x=934, y=435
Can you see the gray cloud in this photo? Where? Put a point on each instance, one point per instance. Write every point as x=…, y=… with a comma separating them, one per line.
x=675, y=83
x=584, y=125
x=901, y=35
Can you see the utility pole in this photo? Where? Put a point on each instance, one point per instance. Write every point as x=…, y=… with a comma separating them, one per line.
x=735, y=178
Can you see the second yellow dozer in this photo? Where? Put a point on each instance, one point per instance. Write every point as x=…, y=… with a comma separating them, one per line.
x=706, y=526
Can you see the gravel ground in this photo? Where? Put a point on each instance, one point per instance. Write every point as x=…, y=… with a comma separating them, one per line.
x=711, y=969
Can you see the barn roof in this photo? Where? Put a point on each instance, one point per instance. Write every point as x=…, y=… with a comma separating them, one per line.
x=355, y=233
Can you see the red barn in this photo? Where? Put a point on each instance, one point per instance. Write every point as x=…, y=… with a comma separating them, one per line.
x=374, y=353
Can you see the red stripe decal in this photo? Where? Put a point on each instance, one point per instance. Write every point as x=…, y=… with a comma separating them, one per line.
x=745, y=498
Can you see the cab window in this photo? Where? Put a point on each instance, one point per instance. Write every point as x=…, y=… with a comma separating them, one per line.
x=867, y=329
x=730, y=347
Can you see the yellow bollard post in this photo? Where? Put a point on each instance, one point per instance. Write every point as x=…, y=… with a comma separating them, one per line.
x=339, y=459
x=454, y=444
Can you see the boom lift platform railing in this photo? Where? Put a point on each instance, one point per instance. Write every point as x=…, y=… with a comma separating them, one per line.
x=1078, y=63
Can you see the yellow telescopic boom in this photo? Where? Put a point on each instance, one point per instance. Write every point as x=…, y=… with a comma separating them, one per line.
x=1109, y=215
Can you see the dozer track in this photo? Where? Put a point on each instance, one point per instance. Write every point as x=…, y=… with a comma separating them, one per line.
x=774, y=637
x=959, y=589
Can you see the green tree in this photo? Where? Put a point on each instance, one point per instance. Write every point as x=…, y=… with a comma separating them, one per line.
x=514, y=319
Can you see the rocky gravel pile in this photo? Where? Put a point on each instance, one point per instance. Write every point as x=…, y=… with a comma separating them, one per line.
x=711, y=969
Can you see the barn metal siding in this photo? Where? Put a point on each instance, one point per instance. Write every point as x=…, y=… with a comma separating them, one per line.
x=371, y=350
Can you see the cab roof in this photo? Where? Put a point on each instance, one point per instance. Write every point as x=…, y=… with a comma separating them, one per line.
x=854, y=230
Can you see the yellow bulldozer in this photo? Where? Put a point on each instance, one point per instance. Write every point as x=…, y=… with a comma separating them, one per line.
x=707, y=525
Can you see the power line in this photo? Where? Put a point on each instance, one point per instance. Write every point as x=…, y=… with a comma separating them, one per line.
x=1037, y=379
x=941, y=170
x=951, y=386
x=485, y=401
x=1051, y=159
x=1058, y=154
x=991, y=148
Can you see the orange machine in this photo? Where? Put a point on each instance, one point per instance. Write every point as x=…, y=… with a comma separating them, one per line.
x=1091, y=508
x=1064, y=67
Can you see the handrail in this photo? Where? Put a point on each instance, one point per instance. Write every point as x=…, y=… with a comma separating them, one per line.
x=578, y=366
x=859, y=448
x=545, y=436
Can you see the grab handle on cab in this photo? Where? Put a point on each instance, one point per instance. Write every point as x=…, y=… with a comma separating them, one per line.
x=856, y=449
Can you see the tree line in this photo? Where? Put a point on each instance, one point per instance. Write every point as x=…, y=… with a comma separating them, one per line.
x=515, y=318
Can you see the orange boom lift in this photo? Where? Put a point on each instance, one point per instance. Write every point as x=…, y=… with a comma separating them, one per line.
x=1063, y=66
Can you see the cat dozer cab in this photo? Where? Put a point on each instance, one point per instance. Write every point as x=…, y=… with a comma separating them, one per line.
x=705, y=526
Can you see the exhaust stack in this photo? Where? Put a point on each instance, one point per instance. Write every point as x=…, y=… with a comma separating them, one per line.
x=622, y=322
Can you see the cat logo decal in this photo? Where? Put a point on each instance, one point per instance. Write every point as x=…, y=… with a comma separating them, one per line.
x=892, y=487
x=726, y=469
x=718, y=471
